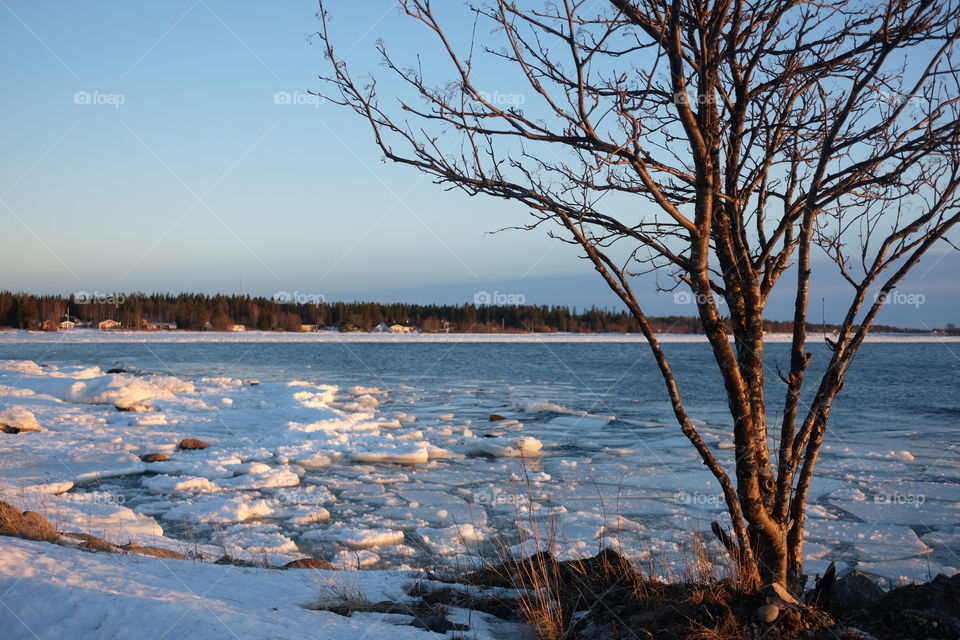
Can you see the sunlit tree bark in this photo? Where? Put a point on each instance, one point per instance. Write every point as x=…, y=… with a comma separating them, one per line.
x=726, y=143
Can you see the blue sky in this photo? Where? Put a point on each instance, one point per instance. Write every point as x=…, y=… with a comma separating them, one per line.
x=144, y=148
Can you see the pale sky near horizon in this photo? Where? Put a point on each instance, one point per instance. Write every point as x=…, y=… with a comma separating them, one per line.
x=174, y=147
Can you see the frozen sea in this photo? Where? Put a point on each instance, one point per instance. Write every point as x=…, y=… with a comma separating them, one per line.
x=378, y=452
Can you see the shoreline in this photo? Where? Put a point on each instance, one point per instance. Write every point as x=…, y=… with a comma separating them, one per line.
x=94, y=336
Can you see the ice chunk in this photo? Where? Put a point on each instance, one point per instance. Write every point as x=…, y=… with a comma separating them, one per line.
x=502, y=447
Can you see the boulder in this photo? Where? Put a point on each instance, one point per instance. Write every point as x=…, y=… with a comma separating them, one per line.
x=308, y=563
x=154, y=457
x=189, y=444
x=856, y=590
x=496, y=417
x=27, y=524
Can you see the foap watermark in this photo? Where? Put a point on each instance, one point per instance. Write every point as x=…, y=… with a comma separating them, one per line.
x=296, y=498
x=503, y=99
x=689, y=297
x=285, y=297
x=97, y=497
x=693, y=98
x=494, y=498
x=97, y=98
x=894, y=99
x=900, y=298
x=698, y=499
x=96, y=297
x=497, y=298
x=298, y=98
x=909, y=499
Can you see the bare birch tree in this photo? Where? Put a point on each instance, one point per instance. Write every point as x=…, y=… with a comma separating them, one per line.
x=725, y=142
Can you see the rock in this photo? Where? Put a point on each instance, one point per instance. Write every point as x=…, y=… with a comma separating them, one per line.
x=495, y=417
x=28, y=524
x=156, y=552
x=308, y=563
x=778, y=595
x=92, y=543
x=856, y=590
x=768, y=613
x=253, y=383
x=190, y=444
x=136, y=408
x=8, y=429
x=437, y=624
x=237, y=562
x=154, y=457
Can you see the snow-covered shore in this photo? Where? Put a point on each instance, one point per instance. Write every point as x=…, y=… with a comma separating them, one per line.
x=49, y=592
x=299, y=468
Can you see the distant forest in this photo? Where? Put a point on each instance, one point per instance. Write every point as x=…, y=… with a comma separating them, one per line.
x=199, y=312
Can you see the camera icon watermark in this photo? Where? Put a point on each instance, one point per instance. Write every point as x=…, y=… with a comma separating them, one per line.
x=285, y=297
x=295, y=498
x=689, y=297
x=910, y=499
x=899, y=298
x=86, y=297
x=495, y=498
x=98, y=497
x=298, y=98
x=115, y=100
x=503, y=99
x=497, y=298
x=698, y=499
x=693, y=98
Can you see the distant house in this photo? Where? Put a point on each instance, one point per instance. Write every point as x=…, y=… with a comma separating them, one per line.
x=68, y=324
x=149, y=325
x=237, y=327
x=402, y=327
x=383, y=327
x=108, y=325
x=310, y=327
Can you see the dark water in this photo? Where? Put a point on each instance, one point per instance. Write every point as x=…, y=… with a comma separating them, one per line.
x=910, y=386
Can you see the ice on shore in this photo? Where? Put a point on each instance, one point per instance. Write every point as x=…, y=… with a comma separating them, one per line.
x=363, y=478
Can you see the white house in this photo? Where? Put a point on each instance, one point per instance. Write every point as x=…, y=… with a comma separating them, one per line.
x=68, y=324
x=398, y=327
x=107, y=325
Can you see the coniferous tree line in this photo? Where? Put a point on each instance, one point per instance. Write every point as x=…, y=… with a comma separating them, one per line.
x=199, y=312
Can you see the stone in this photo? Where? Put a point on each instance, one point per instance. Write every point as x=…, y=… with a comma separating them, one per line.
x=154, y=457
x=856, y=590
x=496, y=417
x=778, y=595
x=27, y=524
x=12, y=430
x=189, y=444
x=309, y=563
x=768, y=613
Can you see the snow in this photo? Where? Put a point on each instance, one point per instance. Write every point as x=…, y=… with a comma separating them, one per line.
x=21, y=418
x=52, y=592
x=390, y=477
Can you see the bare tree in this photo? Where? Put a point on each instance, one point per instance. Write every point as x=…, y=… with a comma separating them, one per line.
x=728, y=142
